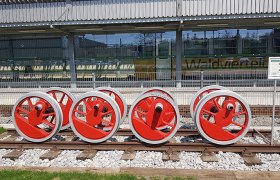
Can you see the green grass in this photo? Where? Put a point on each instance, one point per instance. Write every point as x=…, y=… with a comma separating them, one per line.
x=44, y=175
x=2, y=130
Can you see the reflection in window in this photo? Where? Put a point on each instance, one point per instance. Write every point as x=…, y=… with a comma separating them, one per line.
x=124, y=45
x=276, y=41
x=195, y=43
x=225, y=42
x=46, y=48
x=4, y=49
x=38, y=48
x=255, y=41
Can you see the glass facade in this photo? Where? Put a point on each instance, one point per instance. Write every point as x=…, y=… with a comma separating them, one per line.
x=229, y=48
x=123, y=52
x=31, y=55
x=145, y=51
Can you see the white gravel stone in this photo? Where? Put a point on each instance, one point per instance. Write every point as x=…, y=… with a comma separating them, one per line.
x=253, y=140
x=6, y=137
x=112, y=159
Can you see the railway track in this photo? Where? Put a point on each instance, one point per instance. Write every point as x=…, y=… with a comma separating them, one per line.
x=138, y=146
x=170, y=149
x=128, y=132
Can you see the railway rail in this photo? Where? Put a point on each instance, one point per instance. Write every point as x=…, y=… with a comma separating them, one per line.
x=128, y=132
x=138, y=146
x=170, y=149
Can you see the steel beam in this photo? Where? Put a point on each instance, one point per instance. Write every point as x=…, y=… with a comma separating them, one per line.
x=179, y=55
x=71, y=59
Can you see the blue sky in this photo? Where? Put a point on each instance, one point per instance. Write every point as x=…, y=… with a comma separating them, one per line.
x=132, y=38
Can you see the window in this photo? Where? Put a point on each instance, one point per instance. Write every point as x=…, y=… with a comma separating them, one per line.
x=195, y=43
x=255, y=42
x=225, y=42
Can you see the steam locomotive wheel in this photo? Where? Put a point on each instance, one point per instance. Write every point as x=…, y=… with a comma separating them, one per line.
x=118, y=97
x=65, y=100
x=149, y=113
x=37, y=117
x=94, y=117
x=200, y=94
x=218, y=113
x=159, y=90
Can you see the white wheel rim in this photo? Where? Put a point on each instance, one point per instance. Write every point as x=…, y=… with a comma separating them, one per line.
x=110, y=101
x=215, y=94
x=156, y=94
x=159, y=90
x=68, y=93
x=56, y=108
x=119, y=95
x=216, y=87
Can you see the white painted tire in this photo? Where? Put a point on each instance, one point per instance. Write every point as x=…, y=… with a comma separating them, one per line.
x=199, y=92
x=159, y=90
x=216, y=94
x=69, y=94
x=108, y=99
x=169, y=100
x=55, y=106
x=120, y=96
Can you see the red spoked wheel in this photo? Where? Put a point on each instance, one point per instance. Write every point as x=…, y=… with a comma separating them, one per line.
x=37, y=117
x=149, y=113
x=65, y=100
x=118, y=97
x=200, y=94
x=218, y=113
x=94, y=117
x=159, y=90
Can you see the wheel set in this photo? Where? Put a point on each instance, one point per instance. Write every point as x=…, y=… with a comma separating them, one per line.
x=153, y=117
x=94, y=116
x=216, y=111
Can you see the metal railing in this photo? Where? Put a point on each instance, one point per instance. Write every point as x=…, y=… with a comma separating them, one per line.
x=253, y=85
x=132, y=79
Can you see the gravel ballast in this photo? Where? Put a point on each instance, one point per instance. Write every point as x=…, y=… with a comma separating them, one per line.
x=112, y=159
x=188, y=160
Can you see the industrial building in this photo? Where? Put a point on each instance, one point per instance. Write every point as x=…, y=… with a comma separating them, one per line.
x=129, y=36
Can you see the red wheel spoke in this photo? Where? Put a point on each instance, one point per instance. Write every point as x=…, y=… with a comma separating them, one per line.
x=216, y=102
x=20, y=117
x=80, y=112
x=171, y=125
x=107, y=122
x=23, y=110
x=237, y=124
x=205, y=119
x=106, y=113
x=148, y=104
x=30, y=103
x=239, y=113
x=48, y=123
x=54, y=95
x=209, y=112
x=49, y=114
x=141, y=112
x=169, y=115
x=149, y=101
x=85, y=103
x=52, y=119
x=61, y=99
